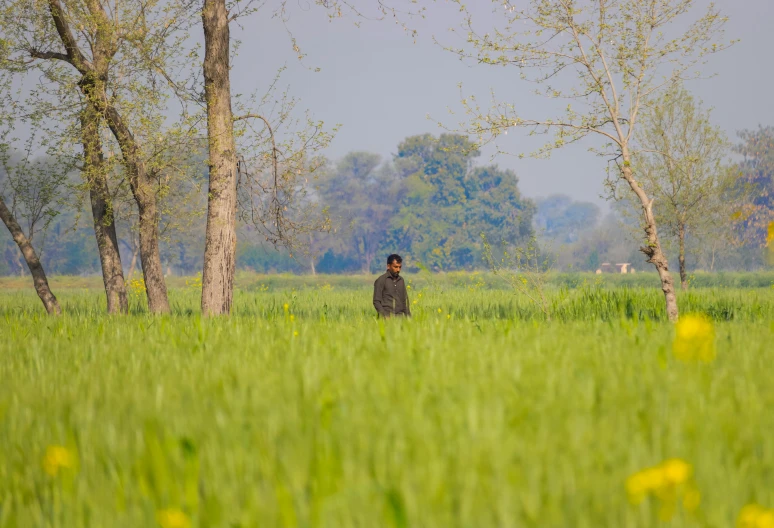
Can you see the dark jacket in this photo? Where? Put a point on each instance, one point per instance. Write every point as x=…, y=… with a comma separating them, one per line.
x=390, y=296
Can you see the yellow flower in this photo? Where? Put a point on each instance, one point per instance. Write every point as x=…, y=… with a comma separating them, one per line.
x=172, y=518
x=292, y=318
x=694, y=339
x=286, y=307
x=755, y=516
x=448, y=316
x=748, y=517
x=295, y=333
x=57, y=457
x=676, y=471
x=414, y=302
x=668, y=482
x=439, y=310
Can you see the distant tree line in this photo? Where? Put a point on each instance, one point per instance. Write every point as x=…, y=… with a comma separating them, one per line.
x=431, y=203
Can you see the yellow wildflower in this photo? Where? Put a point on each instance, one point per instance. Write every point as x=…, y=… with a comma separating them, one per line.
x=286, y=307
x=57, y=457
x=694, y=339
x=292, y=318
x=172, y=518
x=755, y=516
x=439, y=310
x=295, y=333
x=667, y=482
x=676, y=471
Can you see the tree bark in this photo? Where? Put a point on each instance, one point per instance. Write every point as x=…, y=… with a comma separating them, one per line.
x=655, y=255
x=39, y=279
x=101, y=209
x=681, y=257
x=220, y=237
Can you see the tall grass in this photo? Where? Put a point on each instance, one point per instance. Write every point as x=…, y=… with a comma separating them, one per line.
x=474, y=413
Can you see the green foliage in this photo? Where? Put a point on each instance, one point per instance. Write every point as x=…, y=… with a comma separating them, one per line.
x=322, y=416
x=449, y=204
x=430, y=205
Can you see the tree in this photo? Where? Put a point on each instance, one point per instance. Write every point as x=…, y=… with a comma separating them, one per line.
x=220, y=235
x=362, y=199
x=432, y=212
x=447, y=204
x=33, y=188
x=681, y=165
x=616, y=57
x=106, y=57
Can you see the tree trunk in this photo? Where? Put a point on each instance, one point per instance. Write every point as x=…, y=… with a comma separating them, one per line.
x=101, y=209
x=33, y=262
x=220, y=237
x=681, y=258
x=653, y=250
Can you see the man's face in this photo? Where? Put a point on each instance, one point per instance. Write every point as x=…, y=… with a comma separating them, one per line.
x=394, y=266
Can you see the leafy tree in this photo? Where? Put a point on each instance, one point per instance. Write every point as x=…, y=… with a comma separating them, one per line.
x=32, y=194
x=99, y=65
x=431, y=220
x=617, y=56
x=447, y=203
x=362, y=199
x=681, y=166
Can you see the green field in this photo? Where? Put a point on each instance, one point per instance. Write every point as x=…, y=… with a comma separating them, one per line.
x=477, y=412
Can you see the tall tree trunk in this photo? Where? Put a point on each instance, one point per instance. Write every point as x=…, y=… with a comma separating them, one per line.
x=101, y=210
x=220, y=237
x=681, y=258
x=39, y=279
x=655, y=255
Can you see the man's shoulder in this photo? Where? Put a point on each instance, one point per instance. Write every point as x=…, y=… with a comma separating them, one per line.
x=381, y=277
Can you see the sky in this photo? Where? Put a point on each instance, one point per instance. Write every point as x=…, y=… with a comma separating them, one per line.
x=381, y=85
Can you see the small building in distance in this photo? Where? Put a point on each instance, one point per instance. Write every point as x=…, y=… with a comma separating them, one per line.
x=622, y=267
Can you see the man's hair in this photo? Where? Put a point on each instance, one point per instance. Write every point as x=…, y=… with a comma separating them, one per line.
x=394, y=258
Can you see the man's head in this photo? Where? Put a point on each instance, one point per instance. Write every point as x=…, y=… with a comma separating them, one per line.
x=394, y=264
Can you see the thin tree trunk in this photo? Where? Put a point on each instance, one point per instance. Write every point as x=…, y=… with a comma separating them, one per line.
x=104, y=224
x=681, y=258
x=220, y=237
x=655, y=255
x=39, y=279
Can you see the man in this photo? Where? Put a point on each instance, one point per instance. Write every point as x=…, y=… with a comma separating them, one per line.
x=390, y=295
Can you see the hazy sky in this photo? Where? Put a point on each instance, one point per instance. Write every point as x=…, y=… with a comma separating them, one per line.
x=380, y=86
